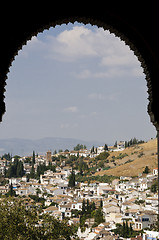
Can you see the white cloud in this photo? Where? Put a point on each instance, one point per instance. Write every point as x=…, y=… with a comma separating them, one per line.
x=109, y=72
x=72, y=109
x=81, y=42
x=102, y=97
x=67, y=125
x=64, y=125
x=71, y=45
x=96, y=96
x=119, y=60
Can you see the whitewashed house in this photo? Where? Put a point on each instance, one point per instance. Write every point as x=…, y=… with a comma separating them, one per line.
x=122, y=186
x=100, y=149
x=155, y=171
x=145, y=220
x=103, y=188
x=114, y=217
x=151, y=235
x=76, y=205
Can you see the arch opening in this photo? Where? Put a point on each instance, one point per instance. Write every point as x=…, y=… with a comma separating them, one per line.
x=99, y=96
x=109, y=62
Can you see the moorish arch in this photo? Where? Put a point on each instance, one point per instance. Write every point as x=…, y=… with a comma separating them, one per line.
x=136, y=27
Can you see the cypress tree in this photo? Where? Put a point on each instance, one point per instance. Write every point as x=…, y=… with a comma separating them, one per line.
x=106, y=147
x=131, y=230
x=72, y=180
x=33, y=159
x=126, y=229
x=123, y=230
x=101, y=203
x=32, y=173
x=83, y=207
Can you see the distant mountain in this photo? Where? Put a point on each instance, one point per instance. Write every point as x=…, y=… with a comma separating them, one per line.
x=22, y=147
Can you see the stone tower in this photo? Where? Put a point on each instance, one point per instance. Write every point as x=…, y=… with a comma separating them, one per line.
x=48, y=157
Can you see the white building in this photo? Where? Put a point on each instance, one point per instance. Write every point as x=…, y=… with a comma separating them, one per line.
x=122, y=186
x=100, y=149
x=155, y=171
x=151, y=235
x=145, y=220
x=103, y=188
x=121, y=145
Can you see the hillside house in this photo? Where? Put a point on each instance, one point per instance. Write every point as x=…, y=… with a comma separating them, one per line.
x=130, y=214
x=50, y=200
x=144, y=184
x=113, y=217
x=151, y=235
x=103, y=188
x=65, y=210
x=100, y=149
x=110, y=200
x=151, y=203
x=122, y=186
x=80, y=153
x=4, y=189
x=53, y=211
x=76, y=205
x=145, y=220
x=155, y=171
x=22, y=191
x=121, y=145
x=110, y=208
x=50, y=209
x=129, y=205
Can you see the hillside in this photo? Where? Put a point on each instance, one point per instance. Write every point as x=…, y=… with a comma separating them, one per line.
x=133, y=160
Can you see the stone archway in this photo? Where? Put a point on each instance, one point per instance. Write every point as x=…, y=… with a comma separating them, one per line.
x=135, y=28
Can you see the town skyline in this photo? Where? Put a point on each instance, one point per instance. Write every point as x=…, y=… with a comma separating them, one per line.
x=83, y=189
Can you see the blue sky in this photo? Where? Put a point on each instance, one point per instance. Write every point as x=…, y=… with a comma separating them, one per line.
x=76, y=81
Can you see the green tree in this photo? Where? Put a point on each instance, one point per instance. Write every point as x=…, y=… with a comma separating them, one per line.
x=11, y=192
x=79, y=147
x=102, y=156
x=33, y=158
x=7, y=156
x=83, y=206
x=20, y=223
x=92, y=149
x=15, y=169
x=101, y=203
x=146, y=170
x=154, y=186
x=20, y=169
x=99, y=218
x=105, y=147
x=55, y=152
x=101, y=164
x=126, y=229
x=123, y=229
x=126, y=144
x=32, y=172
x=115, y=145
x=71, y=182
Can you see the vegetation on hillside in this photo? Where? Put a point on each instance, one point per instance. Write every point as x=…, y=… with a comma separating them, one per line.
x=132, y=160
x=125, y=231
x=21, y=223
